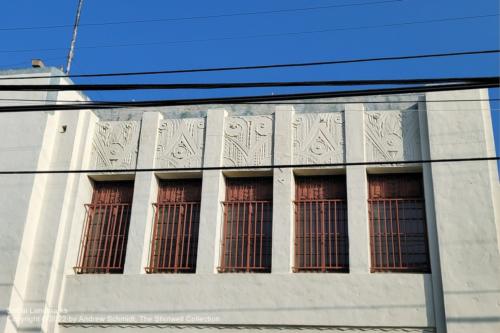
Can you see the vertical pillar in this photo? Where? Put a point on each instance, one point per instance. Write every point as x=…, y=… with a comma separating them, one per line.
x=466, y=210
x=145, y=191
x=283, y=184
x=212, y=194
x=357, y=190
x=28, y=288
x=437, y=284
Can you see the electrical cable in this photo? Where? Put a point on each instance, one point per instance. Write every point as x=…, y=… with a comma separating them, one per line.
x=232, y=85
x=249, y=99
x=315, y=103
x=269, y=66
x=276, y=103
x=260, y=167
x=295, y=33
x=190, y=18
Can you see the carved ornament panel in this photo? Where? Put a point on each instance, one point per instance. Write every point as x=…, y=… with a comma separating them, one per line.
x=115, y=145
x=180, y=143
x=392, y=135
x=318, y=138
x=248, y=141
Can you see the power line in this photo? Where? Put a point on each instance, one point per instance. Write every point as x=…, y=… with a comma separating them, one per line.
x=200, y=17
x=232, y=85
x=297, y=33
x=360, y=102
x=277, y=103
x=254, y=67
x=380, y=102
x=250, y=99
x=302, y=103
x=276, y=166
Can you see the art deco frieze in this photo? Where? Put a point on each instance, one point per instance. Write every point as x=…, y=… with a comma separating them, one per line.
x=180, y=143
x=392, y=135
x=115, y=145
x=318, y=138
x=248, y=141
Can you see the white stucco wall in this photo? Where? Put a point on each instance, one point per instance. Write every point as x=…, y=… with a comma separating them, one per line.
x=42, y=218
x=15, y=192
x=467, y=210
x=31, y=206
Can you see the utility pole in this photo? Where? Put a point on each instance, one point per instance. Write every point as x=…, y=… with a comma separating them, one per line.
x=73, y=39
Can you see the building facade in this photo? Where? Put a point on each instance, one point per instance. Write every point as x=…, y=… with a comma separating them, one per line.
x=230, y=224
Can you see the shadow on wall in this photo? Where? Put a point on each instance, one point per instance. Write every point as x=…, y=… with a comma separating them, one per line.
x=429, y=303
x=474, y=320
x=410, y=135
x=263, y=309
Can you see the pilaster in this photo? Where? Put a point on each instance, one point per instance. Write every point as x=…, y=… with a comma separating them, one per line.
x=283, y=185
x=145, y=191
x=357, y=190
x=212, y=194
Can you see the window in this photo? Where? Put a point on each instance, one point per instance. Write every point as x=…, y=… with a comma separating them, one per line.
x=104, y=240
x=321, y=241
x=176, y=225
x=398, y=232
x=246, y=240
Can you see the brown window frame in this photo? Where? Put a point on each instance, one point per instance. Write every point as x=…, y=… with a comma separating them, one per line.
x=176, y=221
x=103, y=243
x=397, y=222
x=246, y=240
x=321, y=229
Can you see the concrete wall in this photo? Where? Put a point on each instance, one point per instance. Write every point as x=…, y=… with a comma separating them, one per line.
x=43, y=215
x=19, y=151
x=466, y=209
x=31, y=205
x=279, y=299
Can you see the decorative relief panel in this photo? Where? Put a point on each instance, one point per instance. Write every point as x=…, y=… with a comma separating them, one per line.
x=392, y=135
x=248, y=141
x=318, y=138
x=115, y=145
x=180, y=143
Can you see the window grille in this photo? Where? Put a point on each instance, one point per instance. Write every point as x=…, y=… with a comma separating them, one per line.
x=321, y=240
x=104, y=240
x=247, y=229
x=398, y=231
x=175, y=230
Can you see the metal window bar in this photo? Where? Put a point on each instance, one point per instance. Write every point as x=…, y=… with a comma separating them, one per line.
x=398, y=235
x=175, y=238
x=321, y=240
x=174, y=242
x=247, y=236
x=398, y=231
x=104, y=239
x=104, y=242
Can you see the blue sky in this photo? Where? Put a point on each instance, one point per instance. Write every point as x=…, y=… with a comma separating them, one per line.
x=238, y=40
